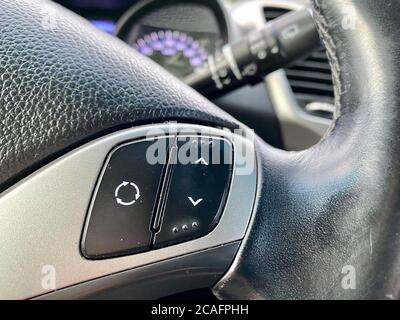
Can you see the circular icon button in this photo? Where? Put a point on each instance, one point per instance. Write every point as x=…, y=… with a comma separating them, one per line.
x=135, y=193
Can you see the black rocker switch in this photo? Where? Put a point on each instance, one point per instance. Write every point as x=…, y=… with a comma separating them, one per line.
x=120, y=215
x=198, y=188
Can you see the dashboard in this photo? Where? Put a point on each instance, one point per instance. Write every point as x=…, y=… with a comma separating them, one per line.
x=292, y=109
x=179, y=35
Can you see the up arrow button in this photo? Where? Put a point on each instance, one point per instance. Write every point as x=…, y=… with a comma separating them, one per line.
x=202, y=161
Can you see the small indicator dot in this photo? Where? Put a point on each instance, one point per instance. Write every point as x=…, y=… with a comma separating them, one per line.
x=275, y=50
x=262, y=55
x=175, y=230
x=185, y=227
x=195, y=225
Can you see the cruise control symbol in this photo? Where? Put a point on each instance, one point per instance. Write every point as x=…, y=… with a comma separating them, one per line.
x=126, y=184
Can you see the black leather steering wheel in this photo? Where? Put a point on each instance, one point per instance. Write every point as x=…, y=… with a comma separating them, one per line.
x=317, y=211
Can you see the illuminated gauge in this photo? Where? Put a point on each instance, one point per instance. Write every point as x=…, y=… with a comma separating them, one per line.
x=176, y=51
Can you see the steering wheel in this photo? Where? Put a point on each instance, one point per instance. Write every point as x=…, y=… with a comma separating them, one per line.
x=324, y=222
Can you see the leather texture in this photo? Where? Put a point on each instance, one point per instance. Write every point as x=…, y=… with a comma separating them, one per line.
x=63, y=82
x=335, y=207
x=317, y=211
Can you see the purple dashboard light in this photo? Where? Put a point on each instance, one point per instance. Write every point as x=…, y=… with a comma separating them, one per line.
x=107, y=26
x=189, y=53
x=169, y=43
x=196, y=61
x=147, y=51
x=157, y=45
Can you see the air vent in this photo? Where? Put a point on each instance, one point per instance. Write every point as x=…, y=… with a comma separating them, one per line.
x=311, y=78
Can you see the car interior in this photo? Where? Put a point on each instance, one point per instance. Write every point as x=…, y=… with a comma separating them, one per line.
x=199, y=149
x=291, y=109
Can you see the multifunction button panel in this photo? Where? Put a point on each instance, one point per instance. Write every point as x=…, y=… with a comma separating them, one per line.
x=158, y=192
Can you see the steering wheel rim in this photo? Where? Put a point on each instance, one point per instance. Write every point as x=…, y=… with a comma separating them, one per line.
x=335, y=203
x=317, y=211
